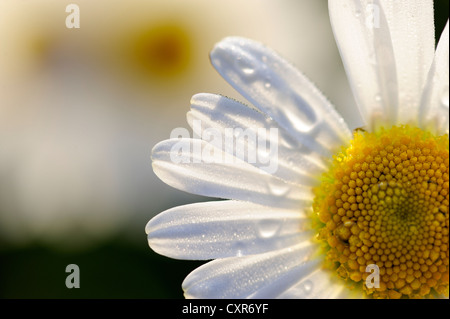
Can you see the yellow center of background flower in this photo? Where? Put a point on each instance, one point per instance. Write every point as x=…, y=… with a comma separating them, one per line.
x=385, y=202
x=163, y=50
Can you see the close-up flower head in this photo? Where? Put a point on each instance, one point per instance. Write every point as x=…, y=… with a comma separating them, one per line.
x=303, y=205
x=87, y=88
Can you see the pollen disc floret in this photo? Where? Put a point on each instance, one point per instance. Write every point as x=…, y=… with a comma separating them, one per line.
x=385, y=202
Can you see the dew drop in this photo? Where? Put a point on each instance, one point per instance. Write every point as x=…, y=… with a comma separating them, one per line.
x=245, y=66
x=307, y=287
x=288, y=142
x=267, y=85
x=263, y=155
x=278, y=188
x=269, y=227
x=377, y=98
x=304, y=119
x=357, y=13
x=248, y=71
x=239, y=248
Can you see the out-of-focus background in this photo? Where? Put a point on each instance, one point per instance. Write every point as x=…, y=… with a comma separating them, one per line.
x=81, y=108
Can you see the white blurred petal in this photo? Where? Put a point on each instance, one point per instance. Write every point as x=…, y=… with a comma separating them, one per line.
x=434, y=107
x=206, y=170
x=296, y=163
x=279, y=90
x=387, y=48
x=243, y=277
x=224, y=229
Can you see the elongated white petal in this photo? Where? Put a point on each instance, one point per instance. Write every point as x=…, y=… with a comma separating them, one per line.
x=279, y=90
x=411, y=25
x=242, y=277
x=387, y=48
x=434, y=107
x=319, y=284
x=285, y=282
x=260, y=137
x=196, y=166
x=368, y=58
x=223, y=229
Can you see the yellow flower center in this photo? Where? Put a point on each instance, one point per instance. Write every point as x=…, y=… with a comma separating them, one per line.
x=383, y=205
x=164, y=50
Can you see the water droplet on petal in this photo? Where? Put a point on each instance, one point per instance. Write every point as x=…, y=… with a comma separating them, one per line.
x=306, y=287
x=278, y=187
x=248, y=71
x=269, y=227
x=245, y=66
x=239, y=248
x=263, y=155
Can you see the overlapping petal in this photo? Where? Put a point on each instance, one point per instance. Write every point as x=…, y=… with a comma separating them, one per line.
x=224, y=229
x=318, y=284
x=411, y=26
x=387, y=48
x=279, y=90
x=195, y=166
x=243, y=277
x=222, y=116
x=434, y=113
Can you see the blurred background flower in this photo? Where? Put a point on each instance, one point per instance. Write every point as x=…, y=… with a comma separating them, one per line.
x=80, y=110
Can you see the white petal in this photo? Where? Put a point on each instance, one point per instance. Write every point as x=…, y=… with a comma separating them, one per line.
x=368, y=58
x=296, y=163
x=386, y=47
x=285, y=282
x=434, y=107
x=198, y=167
x=317, y=285
x=411, y=25
x=242, y=277
x=223, y=229
x=279, y=90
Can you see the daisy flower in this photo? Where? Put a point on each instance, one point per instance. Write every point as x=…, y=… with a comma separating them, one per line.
x=341, y=213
